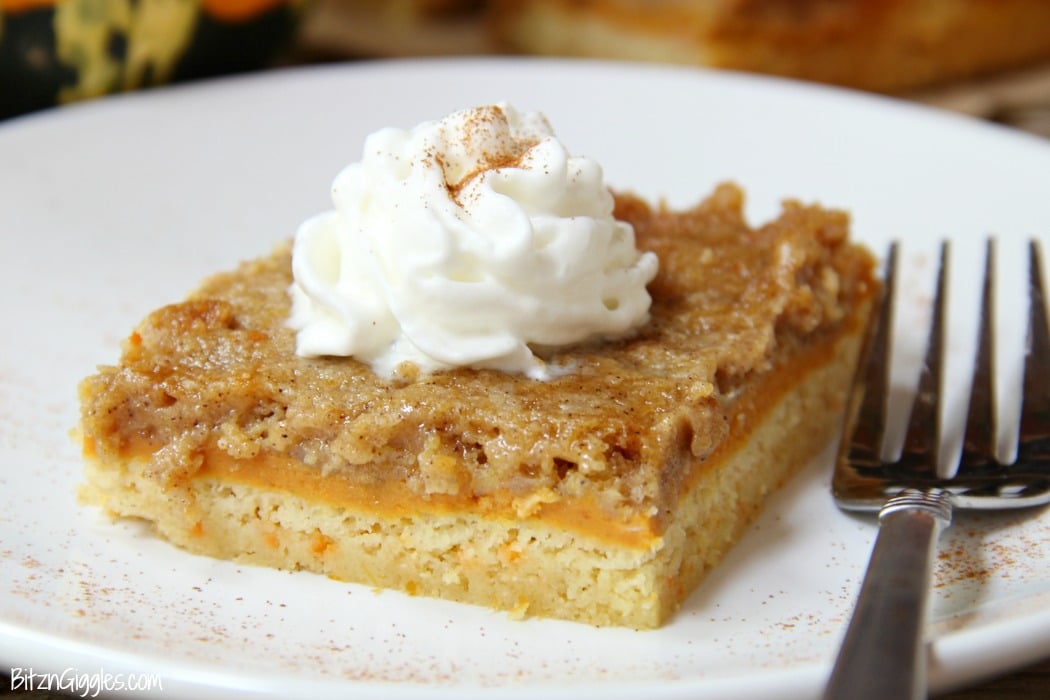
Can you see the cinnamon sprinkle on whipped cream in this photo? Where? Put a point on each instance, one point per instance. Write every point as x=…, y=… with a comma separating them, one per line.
x=471, y=241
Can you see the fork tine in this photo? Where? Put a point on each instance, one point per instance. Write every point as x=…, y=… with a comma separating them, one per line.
x=921, y=451
x=1034, y=443
x=868, y=436
x=980, y=440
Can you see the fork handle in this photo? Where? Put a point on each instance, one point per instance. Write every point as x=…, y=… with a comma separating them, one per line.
x=883, y=655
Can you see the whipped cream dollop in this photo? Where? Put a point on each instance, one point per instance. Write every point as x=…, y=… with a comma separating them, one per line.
x=473, y=241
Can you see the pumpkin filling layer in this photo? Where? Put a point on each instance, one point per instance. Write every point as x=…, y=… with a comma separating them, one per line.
x=636, y=471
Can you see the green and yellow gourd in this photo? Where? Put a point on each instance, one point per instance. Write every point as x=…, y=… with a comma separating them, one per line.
x=58, y=51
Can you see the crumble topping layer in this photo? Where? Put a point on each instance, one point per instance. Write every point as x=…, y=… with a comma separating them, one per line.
x=219, y=371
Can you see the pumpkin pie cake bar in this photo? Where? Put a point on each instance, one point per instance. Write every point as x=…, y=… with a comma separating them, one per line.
x=602, y=493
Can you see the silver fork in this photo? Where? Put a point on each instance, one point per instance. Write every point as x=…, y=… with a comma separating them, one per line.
x=883, y=655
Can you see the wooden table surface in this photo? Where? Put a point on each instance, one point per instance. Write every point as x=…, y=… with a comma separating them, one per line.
x=1019, y=100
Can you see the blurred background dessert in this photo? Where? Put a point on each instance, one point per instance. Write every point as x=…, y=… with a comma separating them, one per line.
x=988, y=58
x=882, y=45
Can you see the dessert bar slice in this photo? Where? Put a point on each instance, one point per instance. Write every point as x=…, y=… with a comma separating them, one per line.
x=601, y=495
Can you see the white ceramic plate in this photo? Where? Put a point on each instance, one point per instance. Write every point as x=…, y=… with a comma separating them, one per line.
x=113, y=208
